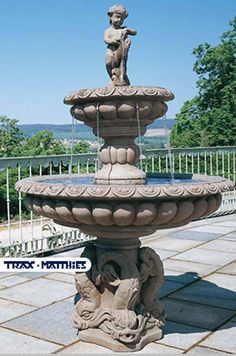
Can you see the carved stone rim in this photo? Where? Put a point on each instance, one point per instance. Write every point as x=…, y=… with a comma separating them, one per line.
x=122, y=92
x=207, y=185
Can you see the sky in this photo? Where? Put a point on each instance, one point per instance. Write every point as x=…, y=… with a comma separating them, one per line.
x=49, y=48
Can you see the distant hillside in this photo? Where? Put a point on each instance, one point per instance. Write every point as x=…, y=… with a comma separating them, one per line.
x=158, y=124
x=82, y=131
x=59, y=131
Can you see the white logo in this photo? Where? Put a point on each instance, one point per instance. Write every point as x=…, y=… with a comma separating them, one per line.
x=69, y=264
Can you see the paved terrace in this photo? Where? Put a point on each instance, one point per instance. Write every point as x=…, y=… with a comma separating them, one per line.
x=199, y=295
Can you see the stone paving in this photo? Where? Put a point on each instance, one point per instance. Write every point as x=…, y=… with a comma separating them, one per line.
x=199, y=295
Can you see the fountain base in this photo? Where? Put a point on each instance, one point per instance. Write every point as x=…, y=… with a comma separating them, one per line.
x=98, y=337
x=118, y=306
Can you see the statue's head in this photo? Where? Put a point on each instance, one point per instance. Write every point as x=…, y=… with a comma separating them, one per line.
x=117, y=14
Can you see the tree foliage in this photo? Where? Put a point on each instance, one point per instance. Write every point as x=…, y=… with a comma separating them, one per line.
x=209, y=119
x=14, y=144
x=43, y=143
x=11, y=137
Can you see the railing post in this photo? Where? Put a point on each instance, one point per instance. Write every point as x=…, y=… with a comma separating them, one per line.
x=8, y=206
x=223, y=164
x=20, y=204
x=31, y=213
x=228, y=164
x=198, y=163
x=217, y=163
x=192, y=163
x=211, y=172
x=205, y=163
x=234, y=168
x=186, y=163
x=153, y=163
x=180, y=163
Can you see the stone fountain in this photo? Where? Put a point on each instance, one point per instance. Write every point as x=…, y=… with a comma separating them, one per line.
x=118, y=306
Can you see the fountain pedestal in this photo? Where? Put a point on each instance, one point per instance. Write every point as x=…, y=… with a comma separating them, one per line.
x=119, y=308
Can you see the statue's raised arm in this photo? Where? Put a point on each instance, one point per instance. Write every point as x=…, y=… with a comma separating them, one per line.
x=118, y=43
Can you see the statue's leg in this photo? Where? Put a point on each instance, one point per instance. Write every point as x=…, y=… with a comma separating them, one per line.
x=124, y=79
x=109, y=69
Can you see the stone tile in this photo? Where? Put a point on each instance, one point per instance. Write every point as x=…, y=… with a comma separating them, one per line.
x=182, y=336
x=33, y=275
x=223, y=339
x=16, y=343
x=164, y=254
x=63, y=277
x=220, y=245
x=227, y=223
x=172, y=244
x=10, y=310
x=81, y=347
x=205, y=351
x=213, y=228
x=201, y=255
x=176, y=276
x=215, y=290
x=194, y=235
x=223, y=218
x=169, y=287
x=198, y=315
x=231, y=236
x=155, y=348
x=12, y=281
x=228, y=282
x=72, y=253
x=53, y=323
x=39, y=292
x=6, y=274
x=200, y=222
x=88, y=348
x=199, y=269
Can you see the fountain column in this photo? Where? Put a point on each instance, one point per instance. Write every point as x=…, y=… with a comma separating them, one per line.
x=119, y=308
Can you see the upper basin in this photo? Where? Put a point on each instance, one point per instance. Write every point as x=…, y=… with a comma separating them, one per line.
x=116, y=105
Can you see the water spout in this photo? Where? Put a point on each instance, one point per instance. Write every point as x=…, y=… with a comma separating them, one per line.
x=98, y=138
x=139, y=135
x=170, y=157
x=73, y=128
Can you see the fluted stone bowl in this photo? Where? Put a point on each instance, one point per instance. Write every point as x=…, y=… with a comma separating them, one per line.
x=119, y=115
x=106, y=210
x=118, y=104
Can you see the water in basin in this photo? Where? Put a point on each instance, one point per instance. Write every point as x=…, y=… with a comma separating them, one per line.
x=89, y=180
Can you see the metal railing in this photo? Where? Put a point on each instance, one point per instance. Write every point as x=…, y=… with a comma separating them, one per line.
x=23, y=233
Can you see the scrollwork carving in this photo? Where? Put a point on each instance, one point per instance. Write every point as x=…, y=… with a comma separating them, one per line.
x=99, y=94
x=151, y=278
x=206, y=185
x=118, y=295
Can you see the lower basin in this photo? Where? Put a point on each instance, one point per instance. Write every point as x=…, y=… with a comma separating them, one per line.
x=135, y=210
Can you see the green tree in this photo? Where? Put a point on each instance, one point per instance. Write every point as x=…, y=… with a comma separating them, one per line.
x=81, y=147
x=43, y=143
x=186, y=132
x=11, y=137
x=211, y=115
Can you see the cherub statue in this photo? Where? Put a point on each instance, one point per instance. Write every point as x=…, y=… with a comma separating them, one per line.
x=118, y=43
